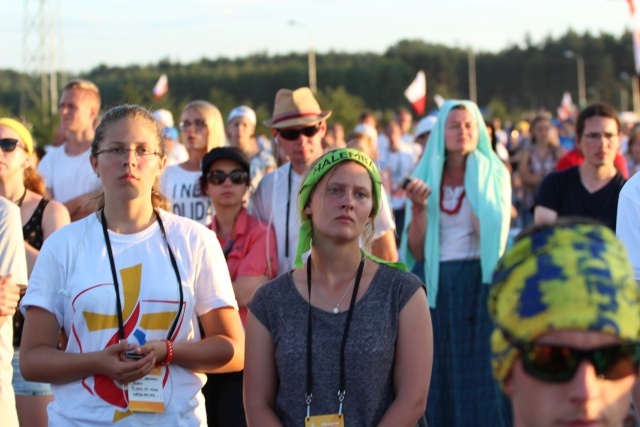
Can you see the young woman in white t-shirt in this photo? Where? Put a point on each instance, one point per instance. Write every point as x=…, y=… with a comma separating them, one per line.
x=201, y=130
x=129, y=284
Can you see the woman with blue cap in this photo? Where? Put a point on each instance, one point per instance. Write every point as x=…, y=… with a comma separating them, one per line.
x=459, y=231
x=343, y=339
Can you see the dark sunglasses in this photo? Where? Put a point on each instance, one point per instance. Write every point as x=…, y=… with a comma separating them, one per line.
x=217, y=177
x=8, y=144
x=293, y=134
x=555, y=363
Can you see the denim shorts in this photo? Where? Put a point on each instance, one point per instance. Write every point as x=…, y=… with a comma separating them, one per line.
x=23, y=387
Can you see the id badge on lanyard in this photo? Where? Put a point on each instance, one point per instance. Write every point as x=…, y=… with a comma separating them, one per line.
x=146, y=394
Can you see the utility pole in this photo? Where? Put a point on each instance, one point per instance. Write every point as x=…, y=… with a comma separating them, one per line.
x=473, y=91
x=39, y=85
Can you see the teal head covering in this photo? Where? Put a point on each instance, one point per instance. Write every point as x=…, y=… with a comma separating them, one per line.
x=487, y=186
x=323, y=165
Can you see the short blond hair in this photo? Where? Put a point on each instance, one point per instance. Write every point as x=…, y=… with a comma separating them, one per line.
x=85, y=85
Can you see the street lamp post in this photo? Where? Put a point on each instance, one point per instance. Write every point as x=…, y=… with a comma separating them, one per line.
x=582, y=91
x=311, y=56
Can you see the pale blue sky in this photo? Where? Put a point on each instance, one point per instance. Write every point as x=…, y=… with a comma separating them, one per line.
x=124, y=32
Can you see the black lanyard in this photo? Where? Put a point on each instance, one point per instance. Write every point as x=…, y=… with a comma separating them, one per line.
x=341, y=391
x=174, y=324
x=286, y=230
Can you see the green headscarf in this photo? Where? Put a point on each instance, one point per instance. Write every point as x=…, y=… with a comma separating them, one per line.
x=573, y=276
x=323, y=165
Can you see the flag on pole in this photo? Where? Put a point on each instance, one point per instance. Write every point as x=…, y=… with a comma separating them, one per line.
x=161, y=87
x=416, y=93
x=566, y=109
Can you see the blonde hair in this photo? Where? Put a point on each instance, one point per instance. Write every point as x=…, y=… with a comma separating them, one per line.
x=84, y=85
x=213, y=119
x=144, y=117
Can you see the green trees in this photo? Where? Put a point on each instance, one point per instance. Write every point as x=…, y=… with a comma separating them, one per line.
x=519, y=78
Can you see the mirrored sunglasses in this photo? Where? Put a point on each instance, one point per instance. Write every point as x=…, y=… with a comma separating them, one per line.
x=217, y=177
x=555, y=363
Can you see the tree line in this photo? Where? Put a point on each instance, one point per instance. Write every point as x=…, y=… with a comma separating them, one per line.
x=523, y=77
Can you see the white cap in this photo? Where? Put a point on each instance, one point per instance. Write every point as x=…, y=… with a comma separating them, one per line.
x=242, y=111
x=426, y=124
x=628, y=117
x=164, y=116
x=367, y=130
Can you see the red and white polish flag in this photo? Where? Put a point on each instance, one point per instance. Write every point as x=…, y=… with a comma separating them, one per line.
x=416, y=93
x=161, y=87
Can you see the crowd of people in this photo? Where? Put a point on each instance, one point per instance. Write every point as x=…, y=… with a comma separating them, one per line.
x=198, y=274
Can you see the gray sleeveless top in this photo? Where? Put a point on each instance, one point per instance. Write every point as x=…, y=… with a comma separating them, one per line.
x=369, y=354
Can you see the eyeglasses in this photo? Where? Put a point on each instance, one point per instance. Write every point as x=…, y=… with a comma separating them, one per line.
x=141, y=152
x=9, y=144
x=293, y=134
x=217, y=177
x=554, y=363
x=198, y=124
x=597, y=136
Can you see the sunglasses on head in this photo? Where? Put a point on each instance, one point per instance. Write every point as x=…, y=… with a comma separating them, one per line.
x=9, y=144
x=217, y=177
x=293, y=134
x=558, y=363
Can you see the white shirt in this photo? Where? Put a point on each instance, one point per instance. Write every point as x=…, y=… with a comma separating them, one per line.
x=12, y=261
x=269, y=204
x=458, y=238
x=68, y=176
x=627, y=221
x=72, y=279
x=182, y=188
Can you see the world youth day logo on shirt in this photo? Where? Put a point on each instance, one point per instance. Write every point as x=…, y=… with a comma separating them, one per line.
x=136, y=328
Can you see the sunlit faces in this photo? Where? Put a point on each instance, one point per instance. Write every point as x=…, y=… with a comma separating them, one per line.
x=240, y=129
x=78, y=109
x=129, y=176
x=600, y=141
x=303, y=150
x=14, y=162
x=227, y=193
x=582, y=400
x=193, y=133
x=342, y=202
x=461, y=131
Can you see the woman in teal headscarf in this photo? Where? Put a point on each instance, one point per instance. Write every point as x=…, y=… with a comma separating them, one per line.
x=457, y=225
x=343, y=337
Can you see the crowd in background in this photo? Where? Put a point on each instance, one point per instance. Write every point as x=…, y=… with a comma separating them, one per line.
x=334, y=221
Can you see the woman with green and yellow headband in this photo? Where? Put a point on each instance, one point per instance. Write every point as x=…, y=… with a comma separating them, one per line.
x=20, y=183
x=344, y=337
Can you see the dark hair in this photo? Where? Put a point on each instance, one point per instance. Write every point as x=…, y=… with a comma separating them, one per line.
x=143, y=116
x=596, y=110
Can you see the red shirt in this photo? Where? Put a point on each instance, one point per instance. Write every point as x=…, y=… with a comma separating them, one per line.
x=575, y=158
x=246, y=250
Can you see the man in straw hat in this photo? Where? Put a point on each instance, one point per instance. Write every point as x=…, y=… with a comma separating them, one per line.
x=298, y=126
x=566, y=311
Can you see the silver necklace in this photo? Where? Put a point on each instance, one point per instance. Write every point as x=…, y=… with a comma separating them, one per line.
x=336, y=309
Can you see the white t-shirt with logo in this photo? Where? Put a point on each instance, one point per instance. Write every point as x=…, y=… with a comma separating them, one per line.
x=182, y=188
x=68, y=176
x=72, y=279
